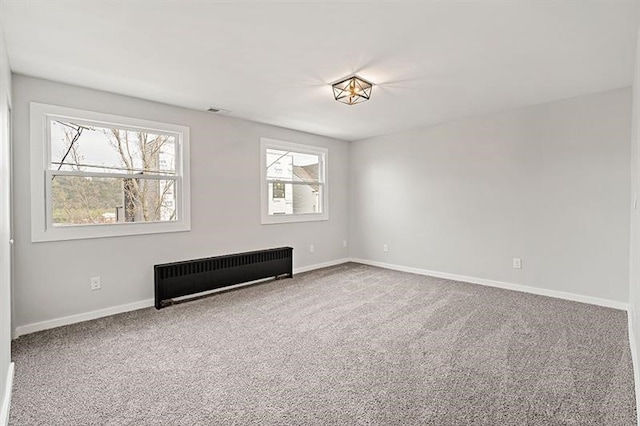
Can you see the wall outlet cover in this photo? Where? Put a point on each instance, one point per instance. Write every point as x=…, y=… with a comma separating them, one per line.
x=96, y=283
x=517, y=263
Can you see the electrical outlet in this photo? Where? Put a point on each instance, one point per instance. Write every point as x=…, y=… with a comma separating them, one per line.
x=95, y=283
x=385, y=248
x=517, y=263
x=344, y=243
x=311, y=248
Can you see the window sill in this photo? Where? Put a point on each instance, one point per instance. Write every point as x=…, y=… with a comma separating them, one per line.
x=81, y=232
x=270, y=220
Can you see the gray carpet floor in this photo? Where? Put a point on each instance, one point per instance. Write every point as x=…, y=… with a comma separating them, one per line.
x=347, y=345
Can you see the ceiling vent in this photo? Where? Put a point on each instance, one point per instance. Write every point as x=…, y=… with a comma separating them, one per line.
x=220, y=111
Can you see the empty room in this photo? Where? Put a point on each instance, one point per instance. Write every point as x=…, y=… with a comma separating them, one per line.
x=319, y=213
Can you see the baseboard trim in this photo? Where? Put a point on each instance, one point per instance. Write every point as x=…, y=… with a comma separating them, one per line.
x=634, y=354
x=6, y=402
x=320, y=265
x=86, y=316
x=499, y=284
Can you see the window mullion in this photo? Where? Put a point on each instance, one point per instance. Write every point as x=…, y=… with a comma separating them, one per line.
x=295, y=182
x=80, y=173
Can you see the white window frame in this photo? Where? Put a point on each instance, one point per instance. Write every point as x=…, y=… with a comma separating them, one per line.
x=42, y=228
x=323, y=153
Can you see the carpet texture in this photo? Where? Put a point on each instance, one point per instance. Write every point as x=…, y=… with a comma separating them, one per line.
x=347, y=345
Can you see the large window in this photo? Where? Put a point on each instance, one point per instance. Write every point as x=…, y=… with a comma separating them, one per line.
x=99, y=175
x=294, y=182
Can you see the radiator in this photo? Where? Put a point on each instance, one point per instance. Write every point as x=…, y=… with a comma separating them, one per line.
x=189, y=277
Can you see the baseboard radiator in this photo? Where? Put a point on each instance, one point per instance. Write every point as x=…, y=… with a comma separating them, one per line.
x=189, y=277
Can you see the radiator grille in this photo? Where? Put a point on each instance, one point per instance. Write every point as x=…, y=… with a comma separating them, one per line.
x=198, y=266
x=188, y=277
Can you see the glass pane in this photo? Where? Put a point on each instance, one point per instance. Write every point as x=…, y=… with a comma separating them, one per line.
x=293, y=166
x=90, y=200
x=290, y=198
x=101, y=149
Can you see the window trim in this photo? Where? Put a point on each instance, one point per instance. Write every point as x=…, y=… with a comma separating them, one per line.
x=42, y=228
x=265, y=218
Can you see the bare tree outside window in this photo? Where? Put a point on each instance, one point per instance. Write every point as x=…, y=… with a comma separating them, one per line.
x=144, y=199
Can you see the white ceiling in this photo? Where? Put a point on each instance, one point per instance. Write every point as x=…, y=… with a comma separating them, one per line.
x=273, y=62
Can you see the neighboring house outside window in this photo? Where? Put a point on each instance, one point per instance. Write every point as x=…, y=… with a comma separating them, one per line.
x=100, y=175
x=294, y=182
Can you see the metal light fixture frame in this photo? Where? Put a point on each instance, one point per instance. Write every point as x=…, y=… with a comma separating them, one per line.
x=352, y=90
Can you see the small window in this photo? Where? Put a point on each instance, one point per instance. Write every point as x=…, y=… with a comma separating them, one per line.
x=294, y=182
x=99, y=175
x=279, y=190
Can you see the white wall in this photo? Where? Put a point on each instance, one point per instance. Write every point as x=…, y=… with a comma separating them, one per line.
x=634, y=252
x=548, y=184
x=52, y=279
x=5, y=265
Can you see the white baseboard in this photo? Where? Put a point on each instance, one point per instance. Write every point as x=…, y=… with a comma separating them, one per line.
x=72, y=319
x=6, y=402
x=320, y=265
x=508, y=286
x=634, y=354
x=86, y=316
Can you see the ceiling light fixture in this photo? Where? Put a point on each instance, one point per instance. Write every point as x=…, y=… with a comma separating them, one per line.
x=352, y=90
